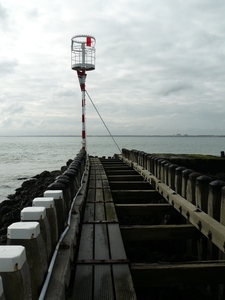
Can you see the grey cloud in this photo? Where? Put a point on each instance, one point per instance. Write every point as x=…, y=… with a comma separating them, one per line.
x=12, y=109
x=174, y=87
x=33, y=13
x=6, y=122
x=7, y=67
x=3, y=13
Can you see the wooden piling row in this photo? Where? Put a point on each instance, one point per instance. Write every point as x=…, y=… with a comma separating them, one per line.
x=199, y=200
x=200, y=190
x=31, y=243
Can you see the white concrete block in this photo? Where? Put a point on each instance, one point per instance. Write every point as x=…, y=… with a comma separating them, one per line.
x=33, y=213
x=47, y=202
x=23, y=230
x=56, y=194
x=12, y=258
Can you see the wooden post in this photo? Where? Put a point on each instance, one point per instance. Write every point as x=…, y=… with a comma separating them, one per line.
x=149, y=162
x=171, y=175
x=152, y=164
x=178, y=179
x=185, y=175
x=214, y=210
x=166, y=170
x=214, y=201
x=159, y=161
x=222, y=215
x=191, y=184
x=162, y=169
x=201, y=198
x=202, y=192
x=222, y=209
x=214, y=206
x=155, y=166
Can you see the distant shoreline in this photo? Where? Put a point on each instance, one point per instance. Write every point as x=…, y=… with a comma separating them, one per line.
x=122, y=135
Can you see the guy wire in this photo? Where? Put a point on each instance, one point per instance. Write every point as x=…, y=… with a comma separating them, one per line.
x=103, y=122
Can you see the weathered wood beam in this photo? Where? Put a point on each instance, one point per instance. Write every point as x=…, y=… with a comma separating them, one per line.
x=121, y=172
x=125, y=177
x=147, y=275
x=137, y=195
x=159, y=232
x=130, y=185
x=208, y=226
x=143, y=209
x=117, y=166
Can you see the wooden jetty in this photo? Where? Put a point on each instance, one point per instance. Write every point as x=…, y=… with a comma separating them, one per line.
x=140, y=227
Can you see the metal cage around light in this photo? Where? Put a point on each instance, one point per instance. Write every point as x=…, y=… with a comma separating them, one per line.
x=83, y=52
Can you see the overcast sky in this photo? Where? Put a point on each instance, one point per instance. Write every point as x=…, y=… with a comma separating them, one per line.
x=160, y=66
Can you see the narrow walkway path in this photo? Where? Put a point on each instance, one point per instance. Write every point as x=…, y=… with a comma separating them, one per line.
x=102, y=269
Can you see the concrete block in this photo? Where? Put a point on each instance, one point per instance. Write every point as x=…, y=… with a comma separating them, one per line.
x=15, y=280
x=27, y=234
x=39, y=214
x=60, y=207
x=49, y=204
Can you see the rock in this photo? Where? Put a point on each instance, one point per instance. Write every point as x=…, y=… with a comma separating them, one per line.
x=34, y=187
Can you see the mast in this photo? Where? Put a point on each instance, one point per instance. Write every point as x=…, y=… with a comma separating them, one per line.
x=82, y=60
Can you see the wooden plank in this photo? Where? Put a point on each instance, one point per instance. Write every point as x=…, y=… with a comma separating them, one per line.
x=116, y=242
x=104, y=177
x=99, y=184
x=103, y=284
x=105, y=184
x=159, y=232
x=107, y=194
x=123, y=283
x=143, y=209
x=91, y=182
x=101, y=249
x=89, y=212
x=146, y=275
x=86, y=242
x=90, y=195
x=83, y=283
x=100, y=212
x=99, y=194
x=110, y=212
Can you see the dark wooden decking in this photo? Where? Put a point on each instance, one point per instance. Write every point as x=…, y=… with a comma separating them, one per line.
x=133, y=239
x=102, y=269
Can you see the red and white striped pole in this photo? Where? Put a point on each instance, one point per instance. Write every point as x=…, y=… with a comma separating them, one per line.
x=82, y=78
x=82, y=60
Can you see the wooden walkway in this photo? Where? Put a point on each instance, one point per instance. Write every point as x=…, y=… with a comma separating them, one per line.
x=102, y=269
x=134, y=244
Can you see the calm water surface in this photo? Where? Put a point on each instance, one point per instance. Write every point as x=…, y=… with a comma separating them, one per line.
x=24, y=157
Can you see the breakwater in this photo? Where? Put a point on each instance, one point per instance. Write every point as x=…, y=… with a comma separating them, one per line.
x=98, y=194
x=32, y=222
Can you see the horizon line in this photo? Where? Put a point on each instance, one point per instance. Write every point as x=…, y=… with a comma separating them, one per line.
x=118, y=135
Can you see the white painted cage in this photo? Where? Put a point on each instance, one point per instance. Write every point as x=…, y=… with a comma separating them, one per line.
x=83, y=52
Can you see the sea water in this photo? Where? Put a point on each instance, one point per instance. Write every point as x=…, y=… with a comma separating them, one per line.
x=24, y=157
